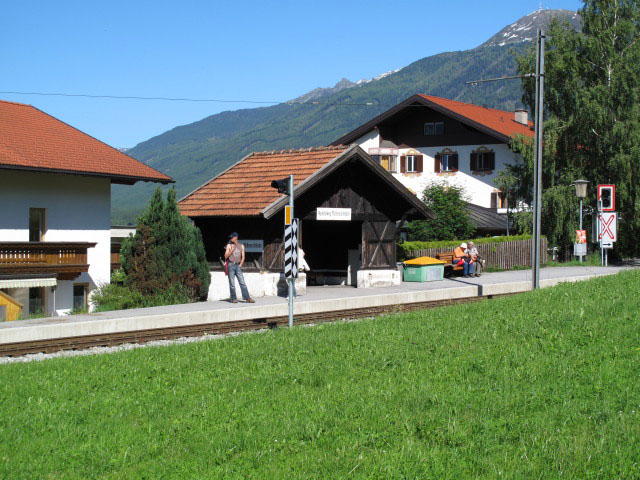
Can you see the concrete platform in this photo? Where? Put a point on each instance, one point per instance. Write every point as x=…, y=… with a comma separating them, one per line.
x=316, y=299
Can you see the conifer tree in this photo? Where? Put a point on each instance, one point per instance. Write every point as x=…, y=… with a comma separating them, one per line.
x=166, y=249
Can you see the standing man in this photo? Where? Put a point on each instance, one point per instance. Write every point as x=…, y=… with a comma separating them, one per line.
x=234, y=254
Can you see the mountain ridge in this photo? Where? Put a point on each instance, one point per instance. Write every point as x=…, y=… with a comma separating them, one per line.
x=194, y=153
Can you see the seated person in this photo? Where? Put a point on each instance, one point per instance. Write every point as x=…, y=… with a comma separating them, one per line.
x=461, y=257
x=474, y=260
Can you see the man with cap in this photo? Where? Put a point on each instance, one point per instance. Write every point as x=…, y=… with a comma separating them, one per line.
x=234, y=255
x=461, y=258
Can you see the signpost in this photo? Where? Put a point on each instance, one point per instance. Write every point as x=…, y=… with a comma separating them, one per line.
x=290, y=240
x=607, y=220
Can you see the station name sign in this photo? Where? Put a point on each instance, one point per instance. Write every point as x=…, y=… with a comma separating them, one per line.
x=253, y=246
x=343, y=214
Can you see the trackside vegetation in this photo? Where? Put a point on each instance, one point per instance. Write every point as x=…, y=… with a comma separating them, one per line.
x=538, y=385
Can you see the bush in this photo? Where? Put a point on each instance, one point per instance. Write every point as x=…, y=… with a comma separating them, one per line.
x=120, y=297
x=166, y=250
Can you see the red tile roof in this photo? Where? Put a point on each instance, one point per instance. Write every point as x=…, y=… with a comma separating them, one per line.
x=31, y=139
x=245, y=188
x=498, y=120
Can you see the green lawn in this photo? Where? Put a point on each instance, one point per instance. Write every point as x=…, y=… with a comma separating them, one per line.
x=540, y=385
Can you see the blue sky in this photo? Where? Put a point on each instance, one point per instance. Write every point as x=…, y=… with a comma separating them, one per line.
x=249, y=50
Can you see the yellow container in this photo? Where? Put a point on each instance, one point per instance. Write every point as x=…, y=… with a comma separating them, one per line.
x=424, y=261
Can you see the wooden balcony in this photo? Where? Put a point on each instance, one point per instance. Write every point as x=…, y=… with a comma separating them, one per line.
x=66, y=259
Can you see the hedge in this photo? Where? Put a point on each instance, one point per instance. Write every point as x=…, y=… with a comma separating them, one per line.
x=405, y=248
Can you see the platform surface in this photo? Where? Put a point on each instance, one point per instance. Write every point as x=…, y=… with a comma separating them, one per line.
x=316, y=299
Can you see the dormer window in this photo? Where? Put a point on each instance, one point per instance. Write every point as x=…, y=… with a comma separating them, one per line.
x=434, y=128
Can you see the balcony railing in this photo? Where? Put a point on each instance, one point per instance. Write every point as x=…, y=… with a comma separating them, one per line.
x=66, y=259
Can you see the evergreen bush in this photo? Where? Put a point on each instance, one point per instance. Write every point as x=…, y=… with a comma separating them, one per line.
x=166, y=250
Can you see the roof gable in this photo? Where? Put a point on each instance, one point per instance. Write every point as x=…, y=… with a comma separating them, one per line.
x=33, y=140
x=499, y=124
x=245, y=188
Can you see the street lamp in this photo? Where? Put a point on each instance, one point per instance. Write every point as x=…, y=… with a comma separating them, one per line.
x=581, y=192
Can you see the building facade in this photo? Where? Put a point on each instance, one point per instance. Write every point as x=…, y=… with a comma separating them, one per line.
x=428, y=139
x=55, y=192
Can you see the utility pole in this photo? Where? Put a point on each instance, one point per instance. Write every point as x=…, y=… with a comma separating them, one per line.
x=538, y=149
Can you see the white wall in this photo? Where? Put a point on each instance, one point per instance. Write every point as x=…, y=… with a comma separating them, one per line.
x=478, y=186
x=78, y=209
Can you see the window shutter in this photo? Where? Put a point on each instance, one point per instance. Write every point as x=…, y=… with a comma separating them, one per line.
x=474, y=161
x=494, y=200
x=436, y=163
x=453, y=159
x=492, y=161
x=403, y=164
x=419, y=163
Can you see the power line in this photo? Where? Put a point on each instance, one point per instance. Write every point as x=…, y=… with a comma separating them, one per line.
x=214, y=100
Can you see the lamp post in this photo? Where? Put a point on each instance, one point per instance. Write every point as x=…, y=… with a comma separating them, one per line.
x=581, y=192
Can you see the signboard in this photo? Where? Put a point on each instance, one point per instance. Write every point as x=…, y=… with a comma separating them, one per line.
x=291, y=249
x=253, y=246
x=607, y=198
x=580, y=249
x=606, y=244
x=608, y=227
x=343, y=214
x=581, y=236
x=287, y=215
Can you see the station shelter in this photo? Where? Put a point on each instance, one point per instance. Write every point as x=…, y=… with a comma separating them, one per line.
x=350, y=210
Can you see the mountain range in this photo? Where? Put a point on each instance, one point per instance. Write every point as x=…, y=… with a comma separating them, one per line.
x=194, y=153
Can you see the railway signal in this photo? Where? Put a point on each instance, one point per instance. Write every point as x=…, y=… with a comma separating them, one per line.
x=285, y=185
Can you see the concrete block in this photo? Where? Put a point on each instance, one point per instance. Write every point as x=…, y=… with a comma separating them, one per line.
x=260, y=284
x=378, y=278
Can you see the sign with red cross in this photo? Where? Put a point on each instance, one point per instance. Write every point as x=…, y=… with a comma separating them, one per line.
x=608, y=227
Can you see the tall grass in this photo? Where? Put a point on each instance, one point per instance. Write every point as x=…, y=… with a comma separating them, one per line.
x=539, y=385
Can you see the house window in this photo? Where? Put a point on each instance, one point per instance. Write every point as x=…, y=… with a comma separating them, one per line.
x=434, y=128
x=448, y=162
x=412, y=163
x=36, y=224
x=36, y=301
x=498, y=200
x=483, y=160
x=388, y=162
x=80, y=299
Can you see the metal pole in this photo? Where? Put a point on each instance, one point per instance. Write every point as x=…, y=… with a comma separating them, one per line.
x=537, y=180
x=291, y=280
x=580, y=222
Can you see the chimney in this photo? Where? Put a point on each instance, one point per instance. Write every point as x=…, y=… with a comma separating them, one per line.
x=522, y=116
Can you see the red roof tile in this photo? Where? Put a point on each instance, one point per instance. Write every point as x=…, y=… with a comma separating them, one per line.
x=245, y=188
x=32, y=139
x=498, y=120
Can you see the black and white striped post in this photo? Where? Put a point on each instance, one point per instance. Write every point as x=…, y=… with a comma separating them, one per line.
x=291, y=250
x=290, y=240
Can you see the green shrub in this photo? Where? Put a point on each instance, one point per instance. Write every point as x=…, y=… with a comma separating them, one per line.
x=120, y=297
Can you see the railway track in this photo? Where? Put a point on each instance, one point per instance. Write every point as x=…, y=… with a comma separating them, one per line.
x=144, y=336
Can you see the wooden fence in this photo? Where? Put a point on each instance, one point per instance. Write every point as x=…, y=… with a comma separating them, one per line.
x=504, y=255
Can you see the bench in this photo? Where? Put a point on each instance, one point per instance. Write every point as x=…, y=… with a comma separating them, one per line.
x=447, y=258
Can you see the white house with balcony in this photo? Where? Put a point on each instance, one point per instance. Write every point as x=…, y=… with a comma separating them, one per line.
x=55, y=193
x=426, y=139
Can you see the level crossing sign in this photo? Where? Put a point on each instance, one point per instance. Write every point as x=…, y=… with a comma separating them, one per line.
x=291, y=249
x=607, y=229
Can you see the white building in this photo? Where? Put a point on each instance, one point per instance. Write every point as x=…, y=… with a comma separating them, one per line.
x=55, y=193
x=426, y=139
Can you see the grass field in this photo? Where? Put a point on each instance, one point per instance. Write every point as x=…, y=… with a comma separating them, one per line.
x=540, y=385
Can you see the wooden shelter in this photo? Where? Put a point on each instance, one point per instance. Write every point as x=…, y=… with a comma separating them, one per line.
x=330, y=178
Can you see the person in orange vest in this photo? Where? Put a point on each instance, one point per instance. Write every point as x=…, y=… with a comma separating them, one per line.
x=461, y=258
